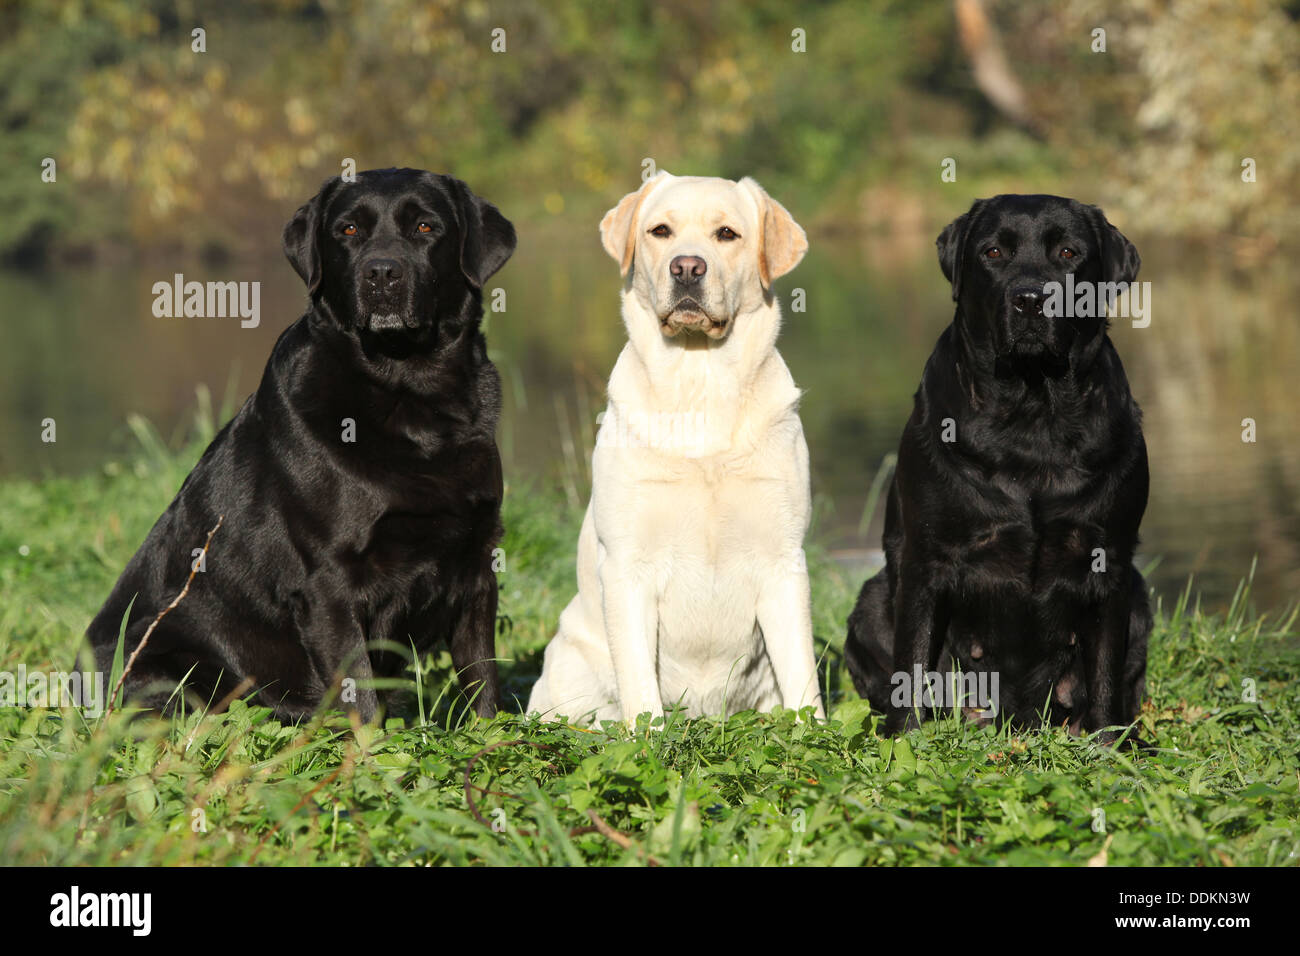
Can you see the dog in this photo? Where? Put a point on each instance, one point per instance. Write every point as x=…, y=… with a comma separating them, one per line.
x=357, y=491
x=1012, y=516
x=692, y=588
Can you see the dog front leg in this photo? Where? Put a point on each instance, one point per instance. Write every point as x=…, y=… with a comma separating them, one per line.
x=632, y=627
x=785, y=618
x=918, y=638
x=336, y=647
x=1103, y=641
x=473, y=647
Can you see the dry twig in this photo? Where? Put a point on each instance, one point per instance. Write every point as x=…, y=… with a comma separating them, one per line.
x=194, y=568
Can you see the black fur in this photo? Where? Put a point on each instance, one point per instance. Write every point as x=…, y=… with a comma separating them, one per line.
x=332, y=554
x=989, y=539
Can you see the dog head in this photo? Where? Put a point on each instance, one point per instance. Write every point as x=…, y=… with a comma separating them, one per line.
x=700, y=251
x=396, y=253
x=1001, y=258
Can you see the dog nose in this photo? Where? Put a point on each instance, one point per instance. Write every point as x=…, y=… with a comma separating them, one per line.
x=383, y=270
x=1028, y=300
x=687, y=268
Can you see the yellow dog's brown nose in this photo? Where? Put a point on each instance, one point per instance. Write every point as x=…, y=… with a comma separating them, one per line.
x=687, y=268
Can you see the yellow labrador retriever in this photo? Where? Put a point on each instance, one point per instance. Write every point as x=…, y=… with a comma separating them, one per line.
x=692, y=587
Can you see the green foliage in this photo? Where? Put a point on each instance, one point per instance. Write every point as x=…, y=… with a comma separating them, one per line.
x=159, y=145
x=1166, y=115
x=43, y=58
x=241, y=787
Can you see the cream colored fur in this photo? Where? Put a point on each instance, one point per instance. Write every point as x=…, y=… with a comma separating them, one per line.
x=691, y=581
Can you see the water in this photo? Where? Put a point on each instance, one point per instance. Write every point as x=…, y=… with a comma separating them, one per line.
x=84, y=348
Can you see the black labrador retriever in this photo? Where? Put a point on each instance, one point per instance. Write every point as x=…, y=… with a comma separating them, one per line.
x=358, y=489
x=1013, y=515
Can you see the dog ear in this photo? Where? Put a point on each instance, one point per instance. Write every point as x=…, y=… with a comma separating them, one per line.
x=781, y=241
x=301, y=238
x=1120, y=261
x=487, y=238
x=952, y=246
x=618, y=227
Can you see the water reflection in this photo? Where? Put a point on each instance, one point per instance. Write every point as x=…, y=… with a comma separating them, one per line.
x=85, y=349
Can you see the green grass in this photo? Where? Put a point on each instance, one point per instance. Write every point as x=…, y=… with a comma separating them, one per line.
x=240, y=787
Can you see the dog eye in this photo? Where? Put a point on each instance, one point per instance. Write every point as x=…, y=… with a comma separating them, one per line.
x=726, y=234
x=1068, y=253
x=662, y=231
x=424, y=227
x=993, y=253
x=349, y=229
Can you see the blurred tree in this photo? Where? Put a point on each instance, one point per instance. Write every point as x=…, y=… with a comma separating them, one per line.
x=1183, y=93
x=550, y=109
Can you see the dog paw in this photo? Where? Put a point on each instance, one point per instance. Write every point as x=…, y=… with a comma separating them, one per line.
x=900, y=721
x=1123, y=738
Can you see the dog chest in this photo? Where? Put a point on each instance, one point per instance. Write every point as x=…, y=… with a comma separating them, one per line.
x=1034, y=555
x=707, y=514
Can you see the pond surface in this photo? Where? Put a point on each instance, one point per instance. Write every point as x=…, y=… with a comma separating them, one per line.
x=83, y=347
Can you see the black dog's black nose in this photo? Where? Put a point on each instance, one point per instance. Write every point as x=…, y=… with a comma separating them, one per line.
x=382, y=270
x=1028, y=300
x=688, y=268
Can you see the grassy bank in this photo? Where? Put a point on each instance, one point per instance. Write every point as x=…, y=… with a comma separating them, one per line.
x=240, y=787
